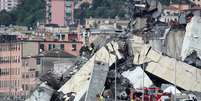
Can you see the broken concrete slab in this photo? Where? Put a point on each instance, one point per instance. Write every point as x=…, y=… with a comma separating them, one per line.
x=192, y=38
x=79, y=83
x=187, y=76
x=172, y=90
x=97, y=81
x=136, y=78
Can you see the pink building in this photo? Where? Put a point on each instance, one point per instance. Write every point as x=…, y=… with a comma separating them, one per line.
x=29, y=75
x=19, y=68
x=17, y=73
x=71, y=43
x=10, y=65
x=59, y=12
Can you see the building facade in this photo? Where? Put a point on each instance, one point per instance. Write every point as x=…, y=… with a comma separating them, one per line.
x=10, y=65
x=60, y=12
x=8, y=5
x=17, y=70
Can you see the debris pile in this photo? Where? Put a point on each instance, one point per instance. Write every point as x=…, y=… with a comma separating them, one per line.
x=140, y=65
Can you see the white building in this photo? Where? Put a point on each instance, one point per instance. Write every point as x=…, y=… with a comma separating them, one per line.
x=8, y=5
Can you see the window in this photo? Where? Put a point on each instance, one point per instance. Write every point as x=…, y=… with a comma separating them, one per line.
x=49, y=46
x=74, y=47
x=15, y=83
x=58, y=37
x=18, y=70
x=23, y=76
x=26, y=87
x=38, y=61
x=19, y=47
x=37, y=74
x=53, y=46
x=18, y=59
x=63, y=37
x=23, y=87
x=42, y=47
x=62, y=46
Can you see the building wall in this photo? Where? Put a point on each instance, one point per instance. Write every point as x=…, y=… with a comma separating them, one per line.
x=30, y=49
x=58, y=12
x=8, y=4
x=10, y=78
x=29, y=77
x=18, y=76
x=71, y=43
x=70, y=48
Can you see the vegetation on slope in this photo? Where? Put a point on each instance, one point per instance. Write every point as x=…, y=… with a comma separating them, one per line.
x=28, y=13
x=102, y=9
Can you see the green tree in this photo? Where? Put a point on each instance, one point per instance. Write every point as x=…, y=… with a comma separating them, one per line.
x=28, y=13
x=102, y=9
x=5, y=18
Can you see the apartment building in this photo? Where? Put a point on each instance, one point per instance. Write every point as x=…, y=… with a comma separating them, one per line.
x=10, y=65
x=60, y=12
x=8, y=5
x=17, y=67
x=19, y=62
x=69, y=43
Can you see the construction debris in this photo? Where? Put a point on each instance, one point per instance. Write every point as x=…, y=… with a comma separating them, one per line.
x=166, y=68
x=42, y=93
x=138, y=78
x=192, y=38
x=172, y=89
x=79, y=83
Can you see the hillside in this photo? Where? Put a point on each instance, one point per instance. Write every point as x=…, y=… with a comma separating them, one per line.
x=28, y=13
x=102, y=9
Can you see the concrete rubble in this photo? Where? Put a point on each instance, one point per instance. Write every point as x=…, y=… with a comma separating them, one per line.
x=172, y=89
x=192, y=38
x=136, y=78
x=83, y=76
x=164, y=67
x=42, y=93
